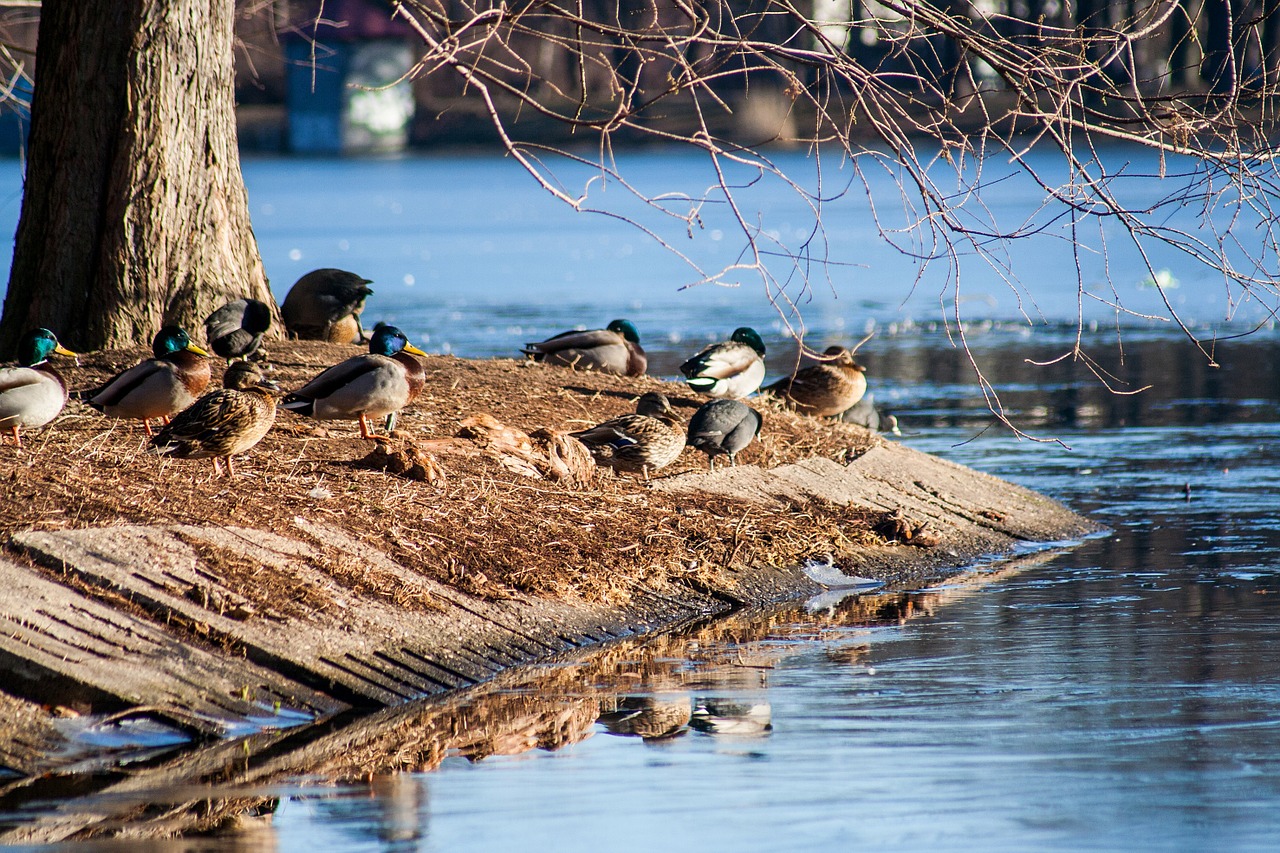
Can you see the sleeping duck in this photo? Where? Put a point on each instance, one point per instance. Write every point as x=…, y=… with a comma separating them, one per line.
x=723, y=428
x=325, y=305
x=613, y=349
x=235, y=330
x=826, y=389
x=32, y=393
x=732, y=369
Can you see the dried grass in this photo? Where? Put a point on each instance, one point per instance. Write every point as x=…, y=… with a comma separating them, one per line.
x=474, y=520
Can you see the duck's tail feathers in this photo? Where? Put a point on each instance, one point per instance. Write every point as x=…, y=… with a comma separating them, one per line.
x=85, y=395
x=703, y=384
x=299, y=405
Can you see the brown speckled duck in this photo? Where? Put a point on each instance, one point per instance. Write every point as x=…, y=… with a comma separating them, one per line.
x=223, y=423
x=650, y=439
x=614, y=349
x=32, y=393
x=378, y=383
x=159, y=387
x=825, y=389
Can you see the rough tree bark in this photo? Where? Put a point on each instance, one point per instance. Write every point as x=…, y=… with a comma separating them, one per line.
x=135, y=212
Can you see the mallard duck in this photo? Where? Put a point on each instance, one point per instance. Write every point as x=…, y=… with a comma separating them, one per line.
x=325, y=305
x=32, y=393
x=235, y=330
x=733, y=369
x=723, y=428
x=380, y=382
x=223, y=423
x=650, y=439
x=826, y=389
x=159, y=387
x=613, y=349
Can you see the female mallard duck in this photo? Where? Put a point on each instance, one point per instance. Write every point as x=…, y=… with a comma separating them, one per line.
x=159, y=387
x=381, y=382
x=824, y=390
x=235, y=330
x=223, y=423
x=613, y=349
x=32, y=393
x=650, y=439
x=325, y=305
x=733, y=369
x=723, y=428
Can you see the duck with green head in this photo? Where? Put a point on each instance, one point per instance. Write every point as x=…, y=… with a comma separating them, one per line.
x=731, y=369
x=378, y=383
x=223, y=423
x=613, y=349
x=159, y=387
x=650, y=439
x=32, y=393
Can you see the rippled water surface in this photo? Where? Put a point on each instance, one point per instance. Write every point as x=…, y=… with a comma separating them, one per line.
x=1122, y=693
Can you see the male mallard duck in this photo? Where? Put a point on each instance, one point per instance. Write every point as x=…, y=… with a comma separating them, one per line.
x=733, y=369
x=826, y=389
x=380, y=382
x=223, y=423
x=650, y=439
x=235, y=330
x=325, y=305
x=723, y=428
x=32, y=393
x=613, y=349
x=159, y=387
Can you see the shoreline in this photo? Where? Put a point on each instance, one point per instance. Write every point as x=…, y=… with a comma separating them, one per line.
x=320, y=585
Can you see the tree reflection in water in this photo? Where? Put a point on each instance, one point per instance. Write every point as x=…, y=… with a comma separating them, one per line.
x=708, y=679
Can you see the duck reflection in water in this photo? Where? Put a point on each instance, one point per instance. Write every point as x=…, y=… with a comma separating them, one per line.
x=652, y=718
x=732, y=717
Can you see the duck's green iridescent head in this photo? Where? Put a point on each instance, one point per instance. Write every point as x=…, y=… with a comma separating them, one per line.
x=171, y=339
x=748, y=336
x=37, y=345
x=388, y=340
x=626, y=329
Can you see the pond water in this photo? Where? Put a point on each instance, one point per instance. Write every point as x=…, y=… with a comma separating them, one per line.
x=1121, y=693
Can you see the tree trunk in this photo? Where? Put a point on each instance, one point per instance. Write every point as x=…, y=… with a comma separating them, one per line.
x=1270, y=49
x=1218, y=69
x=135, y=212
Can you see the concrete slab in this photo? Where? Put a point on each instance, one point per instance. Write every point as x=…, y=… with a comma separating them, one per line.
x=62, y=648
